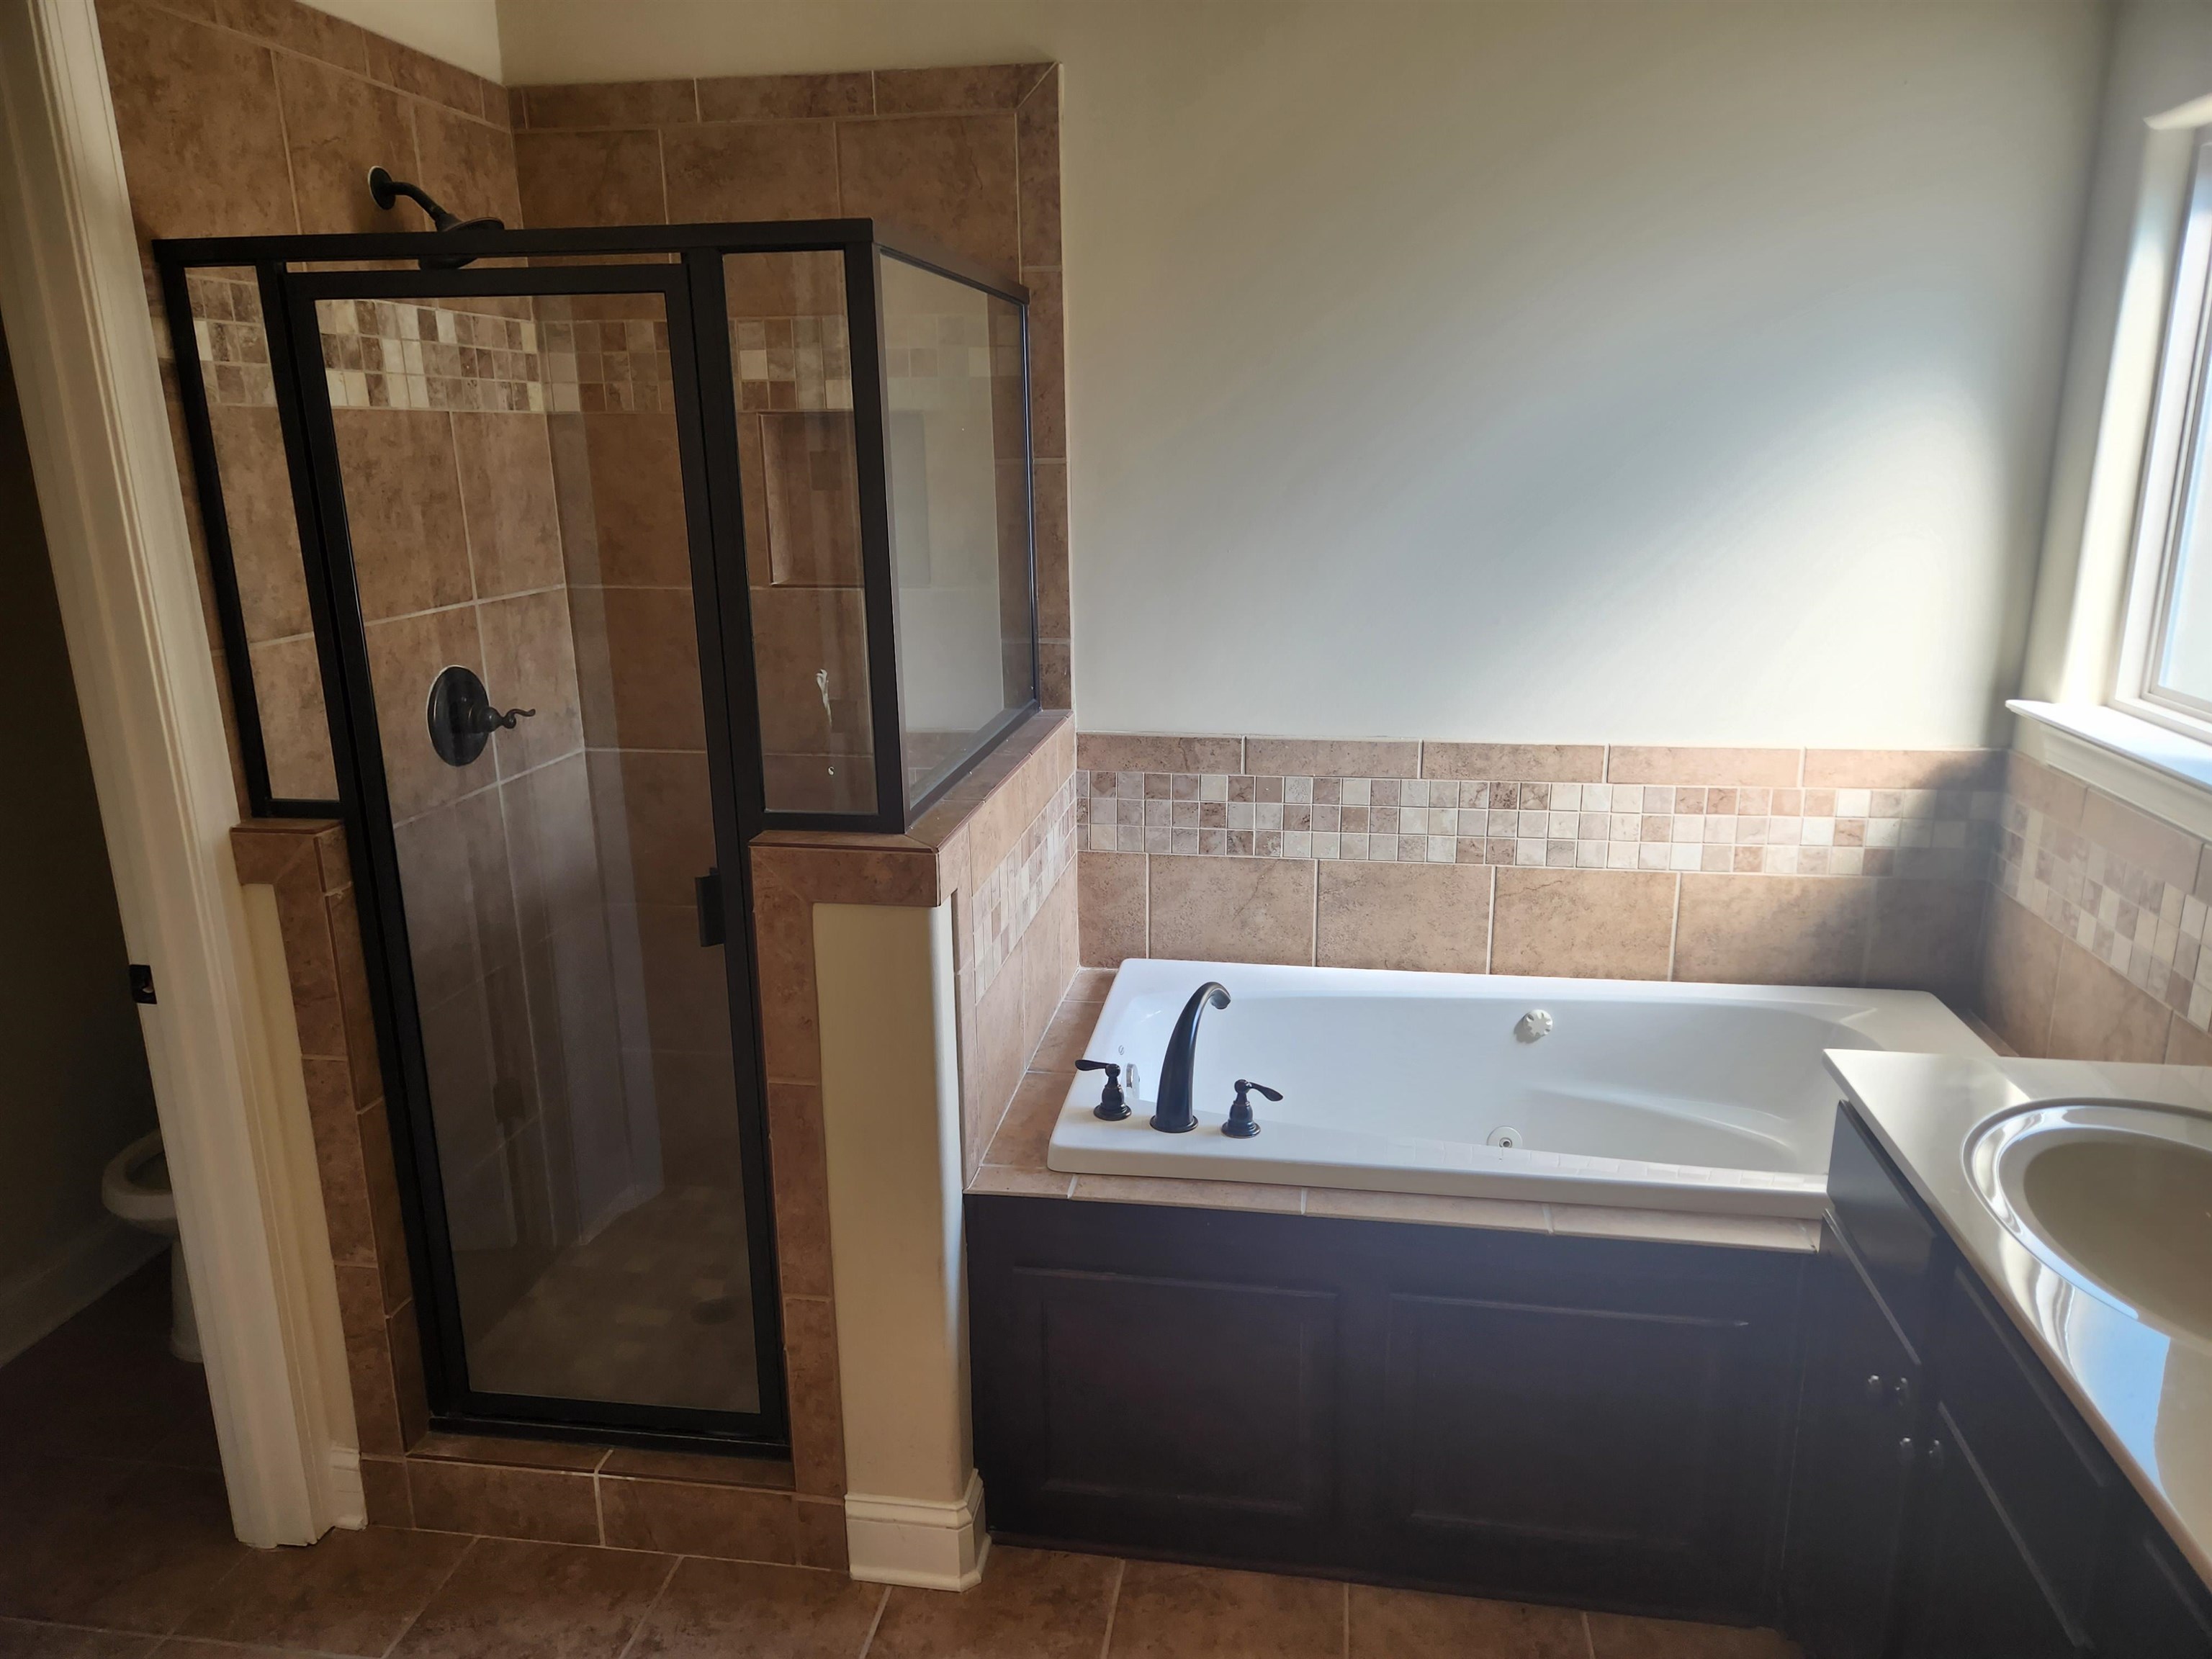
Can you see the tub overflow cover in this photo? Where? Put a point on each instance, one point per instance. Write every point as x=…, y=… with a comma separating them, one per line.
x=1532, y=1025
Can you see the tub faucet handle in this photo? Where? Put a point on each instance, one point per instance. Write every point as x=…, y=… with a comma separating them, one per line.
x=1240, y=1125
x=1112, y=1105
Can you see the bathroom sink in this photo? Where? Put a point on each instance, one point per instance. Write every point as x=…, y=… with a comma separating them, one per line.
x=2116, y=1196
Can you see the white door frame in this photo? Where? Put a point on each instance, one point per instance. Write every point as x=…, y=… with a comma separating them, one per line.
x=82, y=343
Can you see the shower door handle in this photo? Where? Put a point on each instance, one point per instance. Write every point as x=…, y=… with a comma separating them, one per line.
x=707, y=893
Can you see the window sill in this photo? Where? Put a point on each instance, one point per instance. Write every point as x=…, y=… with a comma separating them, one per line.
x=2152, y=768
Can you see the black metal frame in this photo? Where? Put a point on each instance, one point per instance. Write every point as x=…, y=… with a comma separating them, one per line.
x=692, y=290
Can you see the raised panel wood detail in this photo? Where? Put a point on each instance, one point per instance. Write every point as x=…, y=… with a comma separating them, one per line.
x=1510, y=1417
x=1213, y=1396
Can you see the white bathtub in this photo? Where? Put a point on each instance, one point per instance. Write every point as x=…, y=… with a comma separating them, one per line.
x=1710, y=1098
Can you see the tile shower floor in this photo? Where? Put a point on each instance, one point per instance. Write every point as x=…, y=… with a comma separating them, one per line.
x=115, y=1543
x=678, y=1262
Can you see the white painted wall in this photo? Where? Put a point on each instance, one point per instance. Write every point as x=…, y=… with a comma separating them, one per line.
x=1665, y=372
x=463, y=32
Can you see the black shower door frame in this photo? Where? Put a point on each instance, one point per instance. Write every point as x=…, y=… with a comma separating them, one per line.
x=713, y=519
x=683, y=264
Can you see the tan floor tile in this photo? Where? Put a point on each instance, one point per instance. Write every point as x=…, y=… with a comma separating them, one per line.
x=21, y=1640
x=120, y=1546
x=721, y=1608
x=1168, y=1611
x=1032, y=1604
x=1612, y=1637
x=545, y=1601
x=354, y=1592
x=1386, y=1624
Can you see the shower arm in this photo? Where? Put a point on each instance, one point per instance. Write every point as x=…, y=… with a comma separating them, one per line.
x=386, y=191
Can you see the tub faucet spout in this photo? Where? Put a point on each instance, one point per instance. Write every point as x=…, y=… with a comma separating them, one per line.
x=1174, y=1116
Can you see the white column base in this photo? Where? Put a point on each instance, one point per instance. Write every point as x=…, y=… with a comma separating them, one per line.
x=907, y=1540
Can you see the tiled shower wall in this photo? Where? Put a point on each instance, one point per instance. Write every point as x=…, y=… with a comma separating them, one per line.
x=968, y=157
x=1837, y=868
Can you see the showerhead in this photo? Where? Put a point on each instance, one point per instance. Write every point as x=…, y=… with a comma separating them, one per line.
x=386, y=191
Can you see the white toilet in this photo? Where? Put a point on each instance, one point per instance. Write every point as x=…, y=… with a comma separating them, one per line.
x=136, y=1186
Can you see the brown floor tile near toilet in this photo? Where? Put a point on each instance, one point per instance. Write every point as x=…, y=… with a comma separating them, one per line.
x=115, y=1543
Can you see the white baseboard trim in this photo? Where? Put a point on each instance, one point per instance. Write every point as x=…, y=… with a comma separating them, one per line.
x=917, y=1541
x=49, y=1293
x=348, y=1503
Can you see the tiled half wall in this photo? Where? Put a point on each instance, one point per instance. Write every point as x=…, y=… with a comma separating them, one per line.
x=1809, y=867
x=2097, y=927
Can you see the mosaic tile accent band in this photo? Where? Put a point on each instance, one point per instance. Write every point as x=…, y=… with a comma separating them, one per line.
x=792, y=362
x=1926, y=833
x=2139, y=925
x=1009, y=898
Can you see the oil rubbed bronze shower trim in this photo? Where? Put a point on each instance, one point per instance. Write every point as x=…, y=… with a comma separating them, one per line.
x=386, y=192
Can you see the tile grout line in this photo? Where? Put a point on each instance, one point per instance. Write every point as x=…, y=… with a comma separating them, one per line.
x=638, y=1629
x=414, y=1618
x=1346, y=1588
x=1113, y=1607
x=1589, y=1640
x=883, y=1606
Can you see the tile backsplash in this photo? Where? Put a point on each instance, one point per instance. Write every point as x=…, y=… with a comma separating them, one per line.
x=1746, y=830
x=1814, y=866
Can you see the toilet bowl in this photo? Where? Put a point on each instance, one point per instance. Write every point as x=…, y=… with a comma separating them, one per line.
x=135, y=1187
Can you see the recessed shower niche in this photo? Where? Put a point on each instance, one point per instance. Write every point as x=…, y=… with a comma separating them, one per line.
x=559, y=564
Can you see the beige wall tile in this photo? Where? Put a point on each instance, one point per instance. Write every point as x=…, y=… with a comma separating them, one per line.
x=800, y=1168
x=1430, y=917
x=1514, y=762
x=944, y=91
x=1639, y=763
x=1330, y=757
x=2097, y=1015
x=1772, y=930
x=2169, y=853
x=611, y=104
x=1130, y=751
x=751, y=170
x=949, y=177
x=818, y=1431
x=1232, y=910
x=199, y=165
x=1047, y=366
x=1039, y=158
x=812, y=498
x=2187, y=1046
x=402, y=510
x=785, y=97
x=467, y=165
x=1904, y=768
x=589, y=177
x=1112, y=907
x=2018, y=970
x=332, y=120
x=506, y=469
x=2057, y=797
x=1585, y=924
x=1025, y=1133
x=1927, y=937
x=637, y=490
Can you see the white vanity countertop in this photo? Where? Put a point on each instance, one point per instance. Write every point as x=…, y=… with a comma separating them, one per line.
x=2147, y=1394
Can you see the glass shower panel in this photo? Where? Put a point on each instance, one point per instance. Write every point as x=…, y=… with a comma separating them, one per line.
x=516, y=510
x=958, y=449
x=798, y=471
x=271, y=579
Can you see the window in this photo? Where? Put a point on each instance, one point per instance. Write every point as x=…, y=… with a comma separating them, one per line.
x=2166, y=658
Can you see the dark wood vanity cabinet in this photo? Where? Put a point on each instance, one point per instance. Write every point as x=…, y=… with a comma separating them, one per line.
x=1948, y=1501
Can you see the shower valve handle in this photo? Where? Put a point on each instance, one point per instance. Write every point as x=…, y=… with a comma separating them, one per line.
x=1113, y=1105
x=505, y=722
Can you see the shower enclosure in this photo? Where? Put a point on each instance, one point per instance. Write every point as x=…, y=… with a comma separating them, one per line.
x=559, y=564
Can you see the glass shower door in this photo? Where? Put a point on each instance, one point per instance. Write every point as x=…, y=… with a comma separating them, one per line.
x=519, y=525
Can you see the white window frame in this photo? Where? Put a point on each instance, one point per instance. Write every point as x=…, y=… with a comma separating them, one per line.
x=2178, y=410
